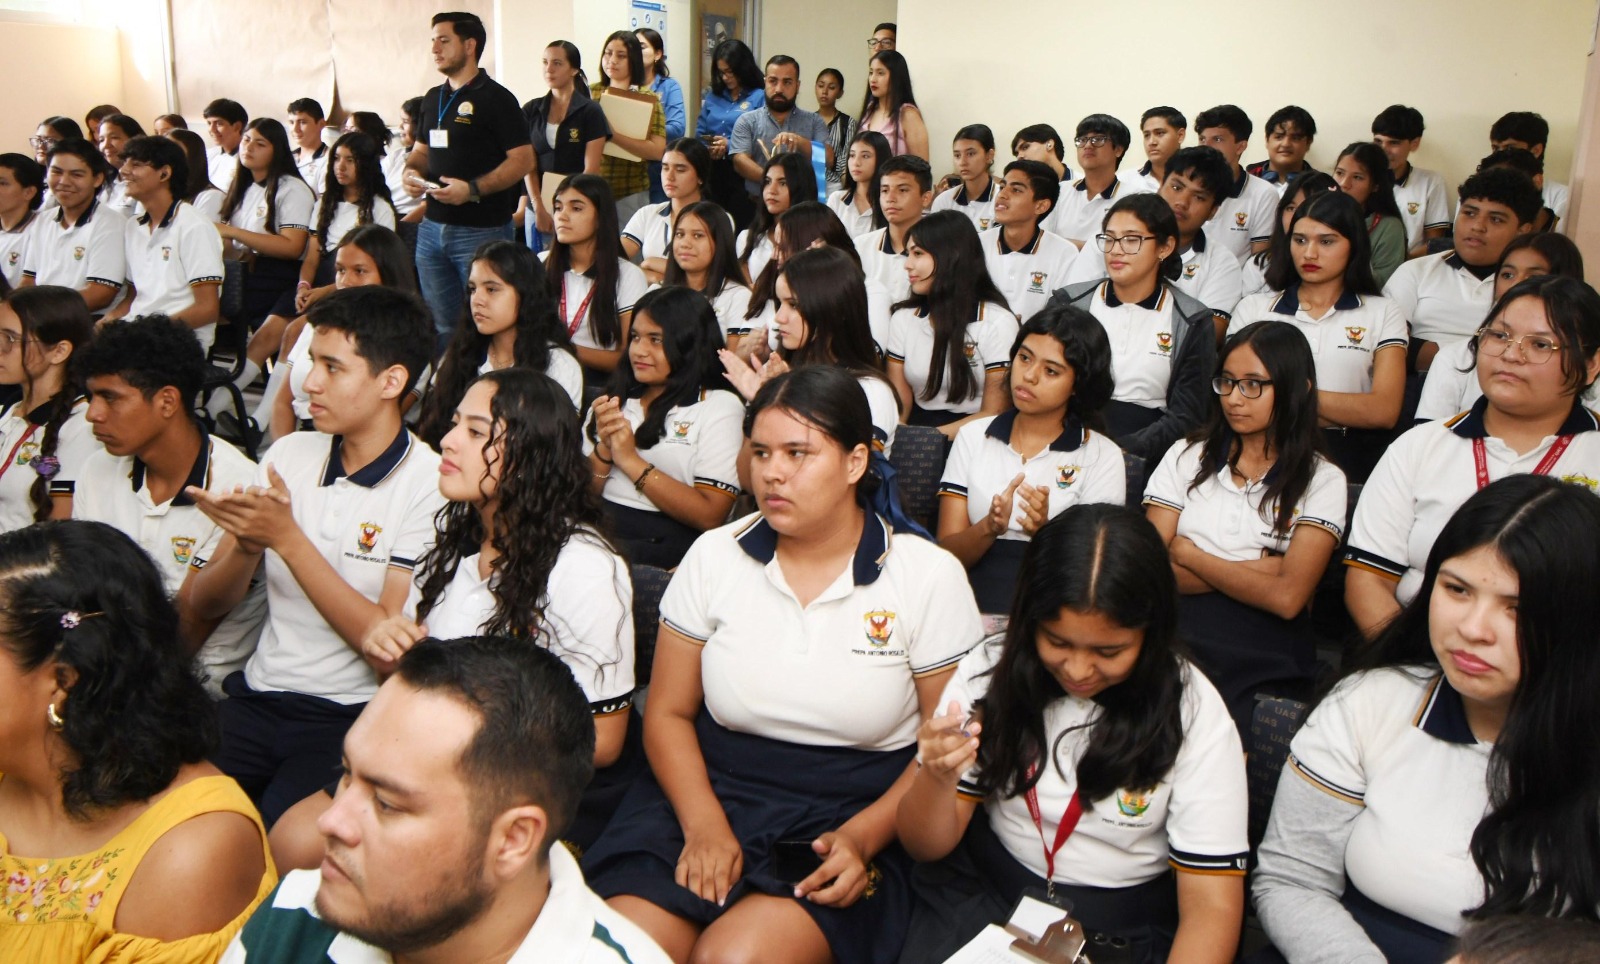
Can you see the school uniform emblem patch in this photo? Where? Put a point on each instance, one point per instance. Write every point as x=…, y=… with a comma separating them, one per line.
x=1189, y=270
x=166, y=253
x=1354, y=334
x=1411, y=207
x=367, y=537
x=970, y=349
x=680, y=431
x=77, y=253
x=1164, y=342
x=26, y=452
x=879, y=625
x=465, y=110
x=13, y=258
x=1065, y=476
x=1131, y=803
x=1241, y=217
x=182, y=549
x=572, y=135
x=983, y=224
x=1036, y=281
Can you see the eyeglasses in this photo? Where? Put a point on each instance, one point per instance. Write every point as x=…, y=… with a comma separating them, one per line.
x=874, y=43
x=1091, y=140
x=37, y=141
x=1109, y=244
x=1248, y=387
x=9, y=340
x=1535, y=349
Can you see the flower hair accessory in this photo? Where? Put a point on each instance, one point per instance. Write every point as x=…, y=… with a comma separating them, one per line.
x=46, y=465
x=71, y=619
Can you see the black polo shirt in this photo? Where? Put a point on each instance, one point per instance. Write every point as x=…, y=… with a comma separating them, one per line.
x=482, y=123
x=584, y=122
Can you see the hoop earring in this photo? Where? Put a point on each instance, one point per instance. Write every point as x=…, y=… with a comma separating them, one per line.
x=50, y=714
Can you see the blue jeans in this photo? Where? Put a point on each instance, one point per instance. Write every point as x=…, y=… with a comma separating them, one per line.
x=444, y=256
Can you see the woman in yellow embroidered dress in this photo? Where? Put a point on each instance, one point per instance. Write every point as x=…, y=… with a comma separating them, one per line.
x=118, y=842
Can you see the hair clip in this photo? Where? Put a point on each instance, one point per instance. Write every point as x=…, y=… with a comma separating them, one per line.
x=71, y=619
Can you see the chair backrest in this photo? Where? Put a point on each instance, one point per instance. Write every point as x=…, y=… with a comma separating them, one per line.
x=649, y=583
x=1272, y=727
x=918, y=458
x=232, y=295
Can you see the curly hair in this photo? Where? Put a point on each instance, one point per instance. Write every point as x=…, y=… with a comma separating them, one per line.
x=51, y=314
x=136, y=712
x=543, y=498
x=150, y=353
x=539, y=332
x=370, y=185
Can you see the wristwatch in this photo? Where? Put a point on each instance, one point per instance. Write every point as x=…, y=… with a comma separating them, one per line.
x=472, y=191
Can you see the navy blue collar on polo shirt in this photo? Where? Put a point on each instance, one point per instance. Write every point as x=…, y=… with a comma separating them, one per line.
x=199, y=473
x=1453, y=259
x=1073, y=434
x=1029, y=248
x=760, y=542
x=1198, y=245
x=1401, y=181
x=84, y=218
x=988, y=192
x=887, y=247
x=375, y=471
x=166, y=219
x=1289, y=302
x=1082, y=184
x=1147, y=170
x=1443, y=716
x=1238, y=185
x=1108, y=293
x=1469, y=424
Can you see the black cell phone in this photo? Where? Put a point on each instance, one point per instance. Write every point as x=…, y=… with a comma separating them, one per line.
x=794, y=860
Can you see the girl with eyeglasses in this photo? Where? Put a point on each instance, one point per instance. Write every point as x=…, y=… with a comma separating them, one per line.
x=1163, y=342
x=1251, y=511
x=1536, y=355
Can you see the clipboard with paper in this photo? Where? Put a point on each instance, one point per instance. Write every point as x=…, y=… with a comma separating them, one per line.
x=628, y=112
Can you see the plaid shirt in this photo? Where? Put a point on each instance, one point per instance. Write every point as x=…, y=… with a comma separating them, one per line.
x=630, y=177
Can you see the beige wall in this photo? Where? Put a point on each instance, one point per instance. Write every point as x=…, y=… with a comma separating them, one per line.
x=32, y=70
x=1452, y=59
x=832, y=33
x=1584, y=214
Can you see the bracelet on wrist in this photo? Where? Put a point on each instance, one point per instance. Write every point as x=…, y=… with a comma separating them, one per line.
x=303, y=284
x=638, y=484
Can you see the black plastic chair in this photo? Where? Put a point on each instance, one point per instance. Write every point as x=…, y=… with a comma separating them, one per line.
x=649, y=583
x=918, y=456
x=226, y=361
x=1272, y=727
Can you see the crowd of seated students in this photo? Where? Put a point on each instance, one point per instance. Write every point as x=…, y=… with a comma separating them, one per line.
x=416, y=611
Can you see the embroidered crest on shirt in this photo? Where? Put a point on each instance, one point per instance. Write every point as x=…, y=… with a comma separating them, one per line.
x=13, y=258
x=465, y=110
x=879, y=625
x=983, y=224
x=26, y=452
x=261, y=210
x=367, y=539
x=182, y=549
x=1133, y=803
x=970, y=349
x=1240, y=217
x=77, y=253
x=1189, y=270
x=1355, y=333
x=1036, y=281
x=1164, y=342
x=1065, y=476
x=1411, y=207
x=680, y=431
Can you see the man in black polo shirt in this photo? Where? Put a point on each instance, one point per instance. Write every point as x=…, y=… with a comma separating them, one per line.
x=473, y=144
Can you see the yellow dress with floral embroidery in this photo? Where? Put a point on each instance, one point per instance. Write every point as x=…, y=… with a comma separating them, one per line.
x=63, y=910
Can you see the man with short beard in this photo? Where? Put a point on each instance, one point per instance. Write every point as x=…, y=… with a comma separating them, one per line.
x=781, y=126
x=442, y=843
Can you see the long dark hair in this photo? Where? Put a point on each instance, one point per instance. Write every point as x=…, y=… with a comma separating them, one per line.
x=370, y=184
x=194, y=150
x=1343, y=214
x=282, y=166
x=542, y=500
x=691, y=337
x=1293, y=438
x=1156, y=215
x=741, y=62
x=693, y=150
x=388, y=252
x=648, y=36
x=724, y=260
x=801, y=182
x=881, y=151
x=899, y=83
x=961, y=284
x=1535, y=845
x=1573, y=311
x=51, y=314
x=803, y=225
x=1376, y=163
x=635, y=57
x=137, y=713
x=830, y=293
x=605, y=269
x=580, y=80
x=1092, y=558
x=1306, y=187
x=829, y=399
x=1086, y=349
x=539, y=333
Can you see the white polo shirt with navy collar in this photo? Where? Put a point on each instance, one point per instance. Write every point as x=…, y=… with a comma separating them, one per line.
x=1244, y=215
x=223, y=167
x=22, y=443
x=14, y=248
x=1235, y=522
x=179, y=537
x=1441, y=298
x=651, y=229
x=987, y=348
x=1194, y=820
x=364, y=523
x=1423, y=202
x=1427, y=474
x=1142, y=342
x=856, y=222
x=313, y=168
x=291, y=209
x=1146, y=178
x=760, y=252
x=840, y=671
x=588, y=617
x=699, y=446
x=1027, y=276
x=75, y=255
x=346, y=218
x=1210, y=275
x=165, y=263
x=1343, y=342
x=1080, y=467
x=1556, y=198
x=881, y=263
x=631, y=286
x=1079, y=215
x=979, y=210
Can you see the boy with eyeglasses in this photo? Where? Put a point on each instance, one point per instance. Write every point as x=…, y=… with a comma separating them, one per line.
x=1101, y=141
x=882, y=37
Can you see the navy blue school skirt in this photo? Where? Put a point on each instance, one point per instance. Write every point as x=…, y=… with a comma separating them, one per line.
x=648, y=538
x=994, y=576
x=933, y=418
x=1244, y=650
x=770, y=790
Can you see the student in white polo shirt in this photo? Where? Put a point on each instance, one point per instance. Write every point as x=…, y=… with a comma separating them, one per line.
x=173, y=252
x=1253, y=273
x=810, y=225
x=44, y=442
x=1025, y=261
x=950, y=341
x=1420, y=194
x=225, y=120
x=142, y=378
x=1528, y=131
x=1536, y=355
x=1163, y=342
x=703, y=258
x=1357, y=336
x=1196, y=180
x=311, y=155
x=1040, y=142
x=685, y=174
x=1082, y=725
x=1243, y=222
x=787, y=179
x=799, y=651
x=1445, y=296
x=973, y=149
x=1102, y=141
x=266, y=221
x=1452, y=383
x=339, y=517
x=1162, y=130
x=21, y=196
x=594, y=286
x=1251, y=511
x=1007, y=475
x=1452, y=776
x=78, y=245
x=115, y=131
x=857, y=203
x=1290, y=132
x=484, y=744
x=663, y=442
x=905, y=189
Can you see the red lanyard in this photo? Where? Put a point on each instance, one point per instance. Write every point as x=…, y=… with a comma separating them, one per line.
x=1069, y=822
x=1480, y=458
x=11, y=455
x=583, y=307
